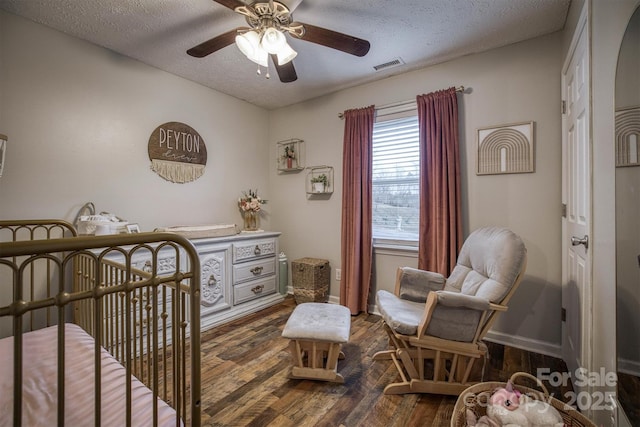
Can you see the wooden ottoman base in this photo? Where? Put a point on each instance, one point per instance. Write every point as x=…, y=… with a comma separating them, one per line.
x=317, y=332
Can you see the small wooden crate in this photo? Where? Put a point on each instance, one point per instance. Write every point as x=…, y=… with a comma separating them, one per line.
x=310, y=279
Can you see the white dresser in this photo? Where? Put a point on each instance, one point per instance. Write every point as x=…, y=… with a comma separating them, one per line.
x=239, y=275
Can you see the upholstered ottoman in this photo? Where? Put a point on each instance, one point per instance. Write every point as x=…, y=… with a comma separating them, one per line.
x=317, y=332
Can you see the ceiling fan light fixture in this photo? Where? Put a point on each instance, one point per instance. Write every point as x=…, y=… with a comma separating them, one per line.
x=248, y=42
x=249, y=45
x=272, y=40
x=286, y=54
x=260, y=57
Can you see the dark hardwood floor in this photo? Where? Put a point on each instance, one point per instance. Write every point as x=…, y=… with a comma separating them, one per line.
x=244, y=378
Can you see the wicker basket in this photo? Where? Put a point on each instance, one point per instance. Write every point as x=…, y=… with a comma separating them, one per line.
x=477, y=396
x=310, y=279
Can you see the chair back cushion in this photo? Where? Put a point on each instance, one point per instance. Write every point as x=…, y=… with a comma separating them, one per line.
x=488, y=264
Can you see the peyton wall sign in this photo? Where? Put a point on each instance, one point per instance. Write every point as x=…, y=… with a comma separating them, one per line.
x=177, y=152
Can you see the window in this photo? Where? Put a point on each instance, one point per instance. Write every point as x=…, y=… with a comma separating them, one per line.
x=396, y=172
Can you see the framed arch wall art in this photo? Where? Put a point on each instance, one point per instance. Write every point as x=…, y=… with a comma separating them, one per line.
x=505, y=149
x=628, y=137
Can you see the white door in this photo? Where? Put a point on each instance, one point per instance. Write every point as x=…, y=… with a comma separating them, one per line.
x=576, y=193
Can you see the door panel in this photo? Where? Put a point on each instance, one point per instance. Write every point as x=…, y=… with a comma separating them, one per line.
x=576, y=289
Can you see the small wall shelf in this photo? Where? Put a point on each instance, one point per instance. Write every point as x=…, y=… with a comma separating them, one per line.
x=319, y=180
x=290, y=155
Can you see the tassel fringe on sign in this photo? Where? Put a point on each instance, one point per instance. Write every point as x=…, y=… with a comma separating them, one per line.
x=176, y=171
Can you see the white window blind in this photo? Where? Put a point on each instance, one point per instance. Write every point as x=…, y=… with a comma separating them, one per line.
x=396, y=157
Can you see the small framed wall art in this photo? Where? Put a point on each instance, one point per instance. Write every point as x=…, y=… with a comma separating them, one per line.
x=505, y=149
x=290, y=155
x=627, y=137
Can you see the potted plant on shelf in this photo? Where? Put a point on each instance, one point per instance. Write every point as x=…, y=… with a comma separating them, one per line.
x=319, y=183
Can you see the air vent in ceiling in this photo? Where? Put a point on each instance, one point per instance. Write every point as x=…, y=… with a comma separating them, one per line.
x=393, y=63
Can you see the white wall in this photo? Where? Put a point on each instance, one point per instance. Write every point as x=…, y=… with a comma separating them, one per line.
x=512, y=84
x=79, y=117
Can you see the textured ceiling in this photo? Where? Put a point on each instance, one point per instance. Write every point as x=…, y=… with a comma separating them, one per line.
x=420, y=32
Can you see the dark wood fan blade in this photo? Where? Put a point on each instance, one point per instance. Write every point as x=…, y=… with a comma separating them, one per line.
x=214, y=44
x=286, y=72
x=231, y=4
x=335, y=40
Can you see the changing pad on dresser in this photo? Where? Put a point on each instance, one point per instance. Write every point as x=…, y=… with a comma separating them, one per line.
x=201, y=231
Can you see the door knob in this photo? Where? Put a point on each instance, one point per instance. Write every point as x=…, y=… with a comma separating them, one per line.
x=575, y=241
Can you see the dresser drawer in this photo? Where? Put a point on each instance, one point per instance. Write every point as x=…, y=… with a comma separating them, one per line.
x=245, y=251
x=254, y=270
x=254, y=289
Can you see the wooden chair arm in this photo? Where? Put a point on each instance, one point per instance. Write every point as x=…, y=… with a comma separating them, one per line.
x=396, y=290
x=429, y=307
x=497, y=307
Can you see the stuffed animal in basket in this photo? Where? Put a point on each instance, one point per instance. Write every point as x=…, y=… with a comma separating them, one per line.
x=509, y=408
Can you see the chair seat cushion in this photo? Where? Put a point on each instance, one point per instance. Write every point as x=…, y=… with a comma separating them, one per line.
x=402, y=316
x=451, y=323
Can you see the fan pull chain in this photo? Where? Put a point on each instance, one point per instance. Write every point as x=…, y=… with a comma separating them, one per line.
x=259, y=72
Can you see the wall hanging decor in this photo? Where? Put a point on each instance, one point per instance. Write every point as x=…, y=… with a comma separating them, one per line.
x=177, y=152
x=505, y=149
x=290, y=156
x=319, y=180
x=628, y=137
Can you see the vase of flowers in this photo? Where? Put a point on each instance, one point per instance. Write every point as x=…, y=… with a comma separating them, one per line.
x=289, y=155
x=250, y=205
x=251, y=220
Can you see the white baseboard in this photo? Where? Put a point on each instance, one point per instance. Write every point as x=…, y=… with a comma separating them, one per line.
x=631, y=367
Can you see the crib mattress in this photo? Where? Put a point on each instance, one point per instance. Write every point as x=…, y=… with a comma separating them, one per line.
x=40, y=396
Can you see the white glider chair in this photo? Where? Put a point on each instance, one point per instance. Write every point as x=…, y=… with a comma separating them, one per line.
x=436, y=324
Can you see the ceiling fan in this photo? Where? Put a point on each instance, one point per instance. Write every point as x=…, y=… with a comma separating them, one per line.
x=268, y=21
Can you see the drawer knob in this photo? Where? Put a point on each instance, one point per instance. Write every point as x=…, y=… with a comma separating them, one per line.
x=257, y=289
x=257, y=250
x=212, y=280
x=256, y=270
